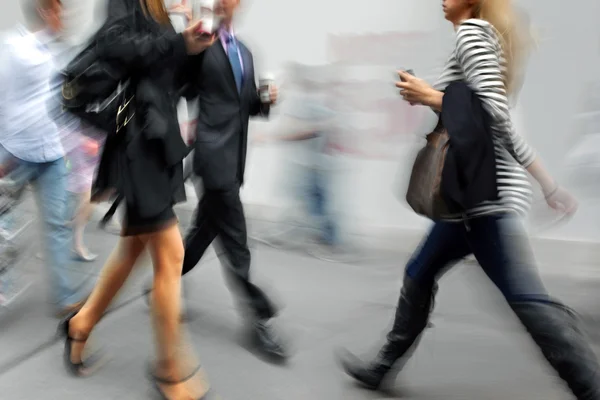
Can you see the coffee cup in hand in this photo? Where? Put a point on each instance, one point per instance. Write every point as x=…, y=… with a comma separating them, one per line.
x=264, y=87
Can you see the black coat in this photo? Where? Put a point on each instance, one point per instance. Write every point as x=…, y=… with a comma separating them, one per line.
x=223, y=115
x=469, y=174
x=144, y=163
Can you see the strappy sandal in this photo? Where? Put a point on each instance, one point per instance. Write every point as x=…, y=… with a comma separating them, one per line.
x=158, y=380
x=83, y=368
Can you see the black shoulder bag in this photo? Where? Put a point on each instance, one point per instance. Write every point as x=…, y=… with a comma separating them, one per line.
x=98, y=91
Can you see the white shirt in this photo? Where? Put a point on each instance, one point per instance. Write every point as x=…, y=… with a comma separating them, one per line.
x=308, y=112
x=26, y=129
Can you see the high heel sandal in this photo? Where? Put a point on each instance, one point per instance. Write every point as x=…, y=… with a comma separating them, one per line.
x=158, y=380
x=82, y=368
x=90, y=257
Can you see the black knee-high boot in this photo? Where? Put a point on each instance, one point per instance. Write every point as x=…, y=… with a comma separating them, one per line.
x=412, y=315
x=555, y=330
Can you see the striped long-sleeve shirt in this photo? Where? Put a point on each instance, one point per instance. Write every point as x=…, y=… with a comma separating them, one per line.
x=478, y=61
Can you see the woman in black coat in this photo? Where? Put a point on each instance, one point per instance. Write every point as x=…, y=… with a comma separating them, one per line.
x=143, y=164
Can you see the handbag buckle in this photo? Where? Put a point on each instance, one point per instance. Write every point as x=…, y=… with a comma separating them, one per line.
x=123, y=108
x=69, y=90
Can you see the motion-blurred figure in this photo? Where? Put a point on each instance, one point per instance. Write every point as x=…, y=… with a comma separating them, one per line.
x=82, y=143
x=223, y=79
x=487, y=56
x=142, y=162
x=83, y=155
x=307, y=123
x=31, y=140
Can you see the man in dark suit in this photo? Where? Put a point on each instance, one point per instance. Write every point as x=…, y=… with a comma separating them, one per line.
x=223, y=78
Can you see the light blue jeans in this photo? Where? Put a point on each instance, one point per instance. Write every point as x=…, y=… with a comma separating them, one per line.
x=312, y=185
x=50, y=182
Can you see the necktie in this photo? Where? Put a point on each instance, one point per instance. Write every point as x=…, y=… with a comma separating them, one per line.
x=234, y=60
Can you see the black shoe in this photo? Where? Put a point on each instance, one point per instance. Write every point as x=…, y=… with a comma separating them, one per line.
x=83, y=367
x=370, y=376
x=412, y=317
x=267, y=341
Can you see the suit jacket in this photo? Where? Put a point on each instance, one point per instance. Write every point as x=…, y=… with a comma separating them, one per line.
x=222, y=129
x=143, y=162
x=469, y=174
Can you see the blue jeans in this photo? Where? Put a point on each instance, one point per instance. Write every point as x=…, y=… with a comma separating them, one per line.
x=50, y=182
x=319, y=204
x=500, y=245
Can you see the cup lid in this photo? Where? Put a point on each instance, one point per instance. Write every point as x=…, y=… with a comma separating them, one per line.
x=267, y=77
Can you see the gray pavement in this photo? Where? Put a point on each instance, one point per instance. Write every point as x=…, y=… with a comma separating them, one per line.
x=476, y=350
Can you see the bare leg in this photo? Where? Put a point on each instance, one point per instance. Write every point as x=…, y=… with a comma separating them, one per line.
x=166, y=249
x=114, y=274
x=82, y=216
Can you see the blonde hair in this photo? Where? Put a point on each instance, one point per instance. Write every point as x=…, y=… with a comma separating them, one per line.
x=157, y=10
x=515, y=35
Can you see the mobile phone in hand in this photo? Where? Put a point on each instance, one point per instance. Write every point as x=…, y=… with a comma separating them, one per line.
x=408, y=71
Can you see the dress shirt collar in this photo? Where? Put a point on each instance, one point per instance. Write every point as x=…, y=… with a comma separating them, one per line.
x=226, y=34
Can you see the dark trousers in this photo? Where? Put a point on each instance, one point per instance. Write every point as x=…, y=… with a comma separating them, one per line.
x=220, y=216
x=500, y=246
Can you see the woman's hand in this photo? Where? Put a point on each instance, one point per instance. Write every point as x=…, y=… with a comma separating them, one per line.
x=417, y=91
x=561, y=200
x=196, y=43
x=556, y=197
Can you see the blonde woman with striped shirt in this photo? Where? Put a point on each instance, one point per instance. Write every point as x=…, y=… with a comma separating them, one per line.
x=488, y=57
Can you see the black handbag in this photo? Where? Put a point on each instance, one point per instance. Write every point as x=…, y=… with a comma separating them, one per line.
x=98, y=91
x=105, y=103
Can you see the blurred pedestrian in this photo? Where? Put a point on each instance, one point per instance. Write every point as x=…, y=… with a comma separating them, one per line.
x=148, y=152
x=224, y=81
x=31, y=139
x=85, y=144
x=306, y=125
x=488, y=57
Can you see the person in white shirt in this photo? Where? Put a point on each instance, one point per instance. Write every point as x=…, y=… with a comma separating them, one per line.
x=31, y=142
x=306, y=125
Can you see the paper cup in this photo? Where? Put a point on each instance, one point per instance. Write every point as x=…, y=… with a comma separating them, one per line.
x=204, y=10
x=264, y=85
